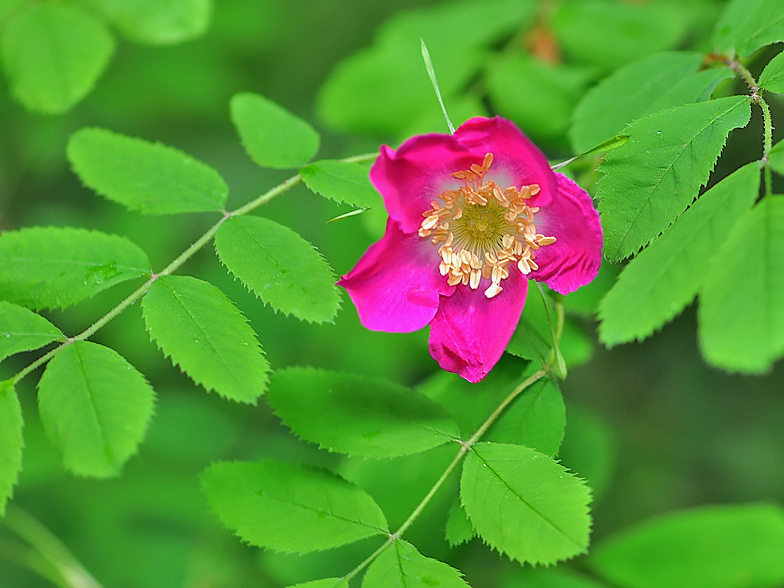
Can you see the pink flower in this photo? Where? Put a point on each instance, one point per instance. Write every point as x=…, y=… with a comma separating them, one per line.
x=472, y=217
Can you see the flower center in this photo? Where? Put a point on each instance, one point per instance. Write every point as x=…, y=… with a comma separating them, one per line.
x=481, y=228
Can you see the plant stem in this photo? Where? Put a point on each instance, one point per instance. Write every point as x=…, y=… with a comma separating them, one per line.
x=175, y=265
x=52, y=559
x=465, y=447
x=767, y=143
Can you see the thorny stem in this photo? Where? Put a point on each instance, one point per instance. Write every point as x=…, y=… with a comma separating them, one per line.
x=175, y=265
x=48, y=557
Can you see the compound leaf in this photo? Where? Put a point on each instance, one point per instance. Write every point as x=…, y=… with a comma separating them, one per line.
x=290, y=507
x=650, y=180
x=95, y=408
x=741, y=314
x=401, y=566
x=524, y=504
x=279, y=266
x=23, y=330
x=730, y=546
x=358, y=416
x=271, y=135
x=195, y=324
x=653, y=83
x=342, y=181
x=665, y=277
x=53, y=267
x=458, y=527
x=158, y=23
x=53, y=53
x=11, y=441
x=772, y=77
x=149, y=177
x=746, y=25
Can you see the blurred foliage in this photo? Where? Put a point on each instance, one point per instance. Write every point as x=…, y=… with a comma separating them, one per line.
x=650, y=426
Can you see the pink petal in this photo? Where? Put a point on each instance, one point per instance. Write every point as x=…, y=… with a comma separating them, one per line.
x=411, y=177
x=516, y=160
x=469, y=332
x=574, y=259
x=396, y=284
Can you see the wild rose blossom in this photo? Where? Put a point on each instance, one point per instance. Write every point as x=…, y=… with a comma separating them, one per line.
x=472, y=217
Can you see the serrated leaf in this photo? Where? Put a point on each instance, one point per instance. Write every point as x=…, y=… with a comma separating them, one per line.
x=665, y=277
x=324, y=583
x=95, y=408
x=11, y=441
x=536, y=419
x=731, y=546
x=746, y=25
x=458, y=527
x=651, y=180
x=271, y=135
x=628, y=30
x=195, y=324
x=532, y=338
x=149, y=177
x=653, y=83
x=279, y=266
x=741, y=313
x=401, y=566
x=290, y=507
x=525, y=504
x=776, y=158
x=52, y=267
x=158, y=23
x=23, y=330
x=357, y=415
x=342, y=181
x=53, y=53
x=772, y=77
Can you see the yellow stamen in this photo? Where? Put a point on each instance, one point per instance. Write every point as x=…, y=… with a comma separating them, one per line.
x=482, y=228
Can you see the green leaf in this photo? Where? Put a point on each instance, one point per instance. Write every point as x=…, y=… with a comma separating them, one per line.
x=776, y=158
x=747, y=25
x=651, y=180
x=11, y=442
x=23, y=330
x=525, y=504
x=53, y=53
x=385, y=87
x=158, y=23
x=401, y=566
x=515, y=83
x=195, y=324
x=51, y=267
x=325, y=583
x=741, y=314
x=290, y=507
x=149, y=177
x=343, y=182
x=356, y=415
x=458, y=527
x=271, y=135
x=560, y=577
x=628, y=30
x=95, y=408
x=279, y=266
x=647, y=85
x=532, y=338
x=772, y=77
x=665, y=277
x=732, y=546
x=536, y=419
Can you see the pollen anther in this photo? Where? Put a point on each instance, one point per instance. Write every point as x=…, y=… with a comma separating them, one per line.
x=482, y=228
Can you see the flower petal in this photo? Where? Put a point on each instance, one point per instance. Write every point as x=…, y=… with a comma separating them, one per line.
x=516, y=160
x=574, y=259
x=469, y=332
x=396, y=285
x=411, y=177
